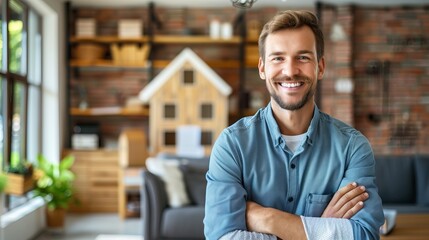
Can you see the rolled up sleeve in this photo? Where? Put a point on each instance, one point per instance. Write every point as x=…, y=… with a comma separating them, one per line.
x=367, y=221
x=225, y=209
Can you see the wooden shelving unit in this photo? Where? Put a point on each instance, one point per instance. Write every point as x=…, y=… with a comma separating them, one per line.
x=230, y=56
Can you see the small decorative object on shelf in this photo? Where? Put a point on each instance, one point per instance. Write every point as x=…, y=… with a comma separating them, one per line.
x=226, y=30
x=89, y=52
x=83, y=96
x=215, y=28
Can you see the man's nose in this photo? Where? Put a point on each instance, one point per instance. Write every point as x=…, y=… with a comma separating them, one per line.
x=290, y=68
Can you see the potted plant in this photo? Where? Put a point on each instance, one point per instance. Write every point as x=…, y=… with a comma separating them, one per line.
x=55, y=185
x=19, y=177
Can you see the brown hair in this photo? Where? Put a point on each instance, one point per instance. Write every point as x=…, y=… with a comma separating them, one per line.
x=292, y=19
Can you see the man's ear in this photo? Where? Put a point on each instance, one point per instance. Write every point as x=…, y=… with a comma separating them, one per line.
x=321, y=68
x=261, y=69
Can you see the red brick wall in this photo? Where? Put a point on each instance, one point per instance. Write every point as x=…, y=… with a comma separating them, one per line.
x=338, y=59
x=392, y=104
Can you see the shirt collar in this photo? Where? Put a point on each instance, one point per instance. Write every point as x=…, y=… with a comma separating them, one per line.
x=274, y=129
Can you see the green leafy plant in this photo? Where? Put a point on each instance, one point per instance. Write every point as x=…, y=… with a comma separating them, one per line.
x=22, y=168
x=3, y=181
x=55, y=182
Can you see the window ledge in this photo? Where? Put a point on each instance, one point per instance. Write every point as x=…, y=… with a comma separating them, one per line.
x=21, y=211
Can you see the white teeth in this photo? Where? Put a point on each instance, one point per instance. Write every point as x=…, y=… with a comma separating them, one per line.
x=290, y=85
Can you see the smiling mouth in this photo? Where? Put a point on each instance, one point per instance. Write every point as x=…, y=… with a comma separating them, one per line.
x=291, y=84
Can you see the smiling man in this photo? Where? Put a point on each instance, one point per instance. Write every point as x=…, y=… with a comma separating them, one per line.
x=292, y=171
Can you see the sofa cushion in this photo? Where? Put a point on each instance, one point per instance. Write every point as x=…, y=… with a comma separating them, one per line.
x=395, y=179
x=185, y=222
x=195, y=181
x=169, y=171
x=422, y=178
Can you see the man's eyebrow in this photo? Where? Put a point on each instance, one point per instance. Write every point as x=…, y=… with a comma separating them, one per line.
x=278, y=53
x=306, y=52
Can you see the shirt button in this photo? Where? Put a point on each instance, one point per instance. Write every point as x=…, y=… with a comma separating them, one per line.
x=290, y=199
x=292, y=166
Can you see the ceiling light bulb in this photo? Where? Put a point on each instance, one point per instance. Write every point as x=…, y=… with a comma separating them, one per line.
x=243, y=3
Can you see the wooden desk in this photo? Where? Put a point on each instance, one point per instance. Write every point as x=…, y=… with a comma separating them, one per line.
x=410, y=227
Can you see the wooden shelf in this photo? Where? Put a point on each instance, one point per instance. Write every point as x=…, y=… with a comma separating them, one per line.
x=109, y=39
x=110, y=111
x=252, y=40
x=202, y=39
x=177, y=39
x=211, y=63
x=105, y=63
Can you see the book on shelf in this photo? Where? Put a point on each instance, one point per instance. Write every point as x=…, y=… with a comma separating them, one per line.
x=130, y=28
x=106, y=110
x=85, y=27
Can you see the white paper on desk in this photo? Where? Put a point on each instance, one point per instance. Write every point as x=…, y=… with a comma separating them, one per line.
x=188, y=140
x=389, y=221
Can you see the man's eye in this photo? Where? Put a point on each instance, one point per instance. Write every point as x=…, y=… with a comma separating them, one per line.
x=303, y=58
x=277, y=59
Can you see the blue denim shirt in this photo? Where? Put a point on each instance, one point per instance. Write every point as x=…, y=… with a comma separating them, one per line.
x=250, y=161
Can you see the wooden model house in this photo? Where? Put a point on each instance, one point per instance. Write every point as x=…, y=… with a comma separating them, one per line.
x=186, y=92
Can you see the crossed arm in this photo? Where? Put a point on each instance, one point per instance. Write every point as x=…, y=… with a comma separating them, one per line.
x=346, y=203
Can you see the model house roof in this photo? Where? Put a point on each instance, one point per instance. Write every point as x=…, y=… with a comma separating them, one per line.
x=186, y=56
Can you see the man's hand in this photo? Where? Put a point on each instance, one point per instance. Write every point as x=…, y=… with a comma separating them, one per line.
x=346, y=202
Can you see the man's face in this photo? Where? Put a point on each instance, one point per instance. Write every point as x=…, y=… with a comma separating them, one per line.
x=290, y=67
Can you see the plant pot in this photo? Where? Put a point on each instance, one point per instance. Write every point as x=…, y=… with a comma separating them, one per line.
x=55, y=218
x=19, y=184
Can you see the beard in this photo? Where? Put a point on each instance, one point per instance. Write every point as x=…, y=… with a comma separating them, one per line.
x=308, y=96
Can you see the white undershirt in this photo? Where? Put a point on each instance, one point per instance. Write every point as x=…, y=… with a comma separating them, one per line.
x=293, y=141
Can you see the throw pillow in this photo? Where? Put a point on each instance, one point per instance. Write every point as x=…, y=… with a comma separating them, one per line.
x=169, y=172
x=196, y=183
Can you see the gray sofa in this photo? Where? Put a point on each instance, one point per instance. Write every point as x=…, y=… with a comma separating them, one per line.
x=160, y=221
x=403, y=182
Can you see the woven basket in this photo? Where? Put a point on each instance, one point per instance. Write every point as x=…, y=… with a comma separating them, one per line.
x=89, y=52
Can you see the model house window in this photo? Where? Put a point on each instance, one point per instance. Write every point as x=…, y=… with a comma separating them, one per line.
x=169, y=111
x=206, y=138
x=169, y=138
x=206, y=111
x=188, y=77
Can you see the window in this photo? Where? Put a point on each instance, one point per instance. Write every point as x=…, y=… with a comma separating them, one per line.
x=206, y=138
x=206, y=111
x=169, y=111
x=169, y=138
x=188, y=77
x=20, y=87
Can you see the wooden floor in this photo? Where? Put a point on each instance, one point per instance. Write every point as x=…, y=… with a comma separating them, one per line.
x=89, y=226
